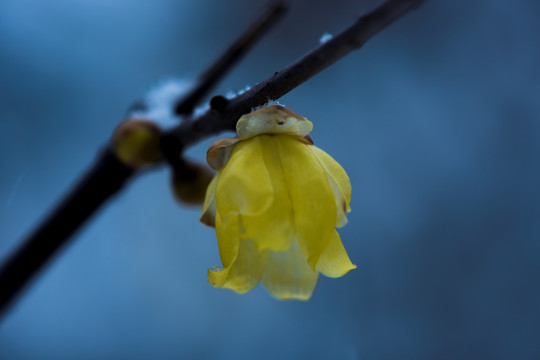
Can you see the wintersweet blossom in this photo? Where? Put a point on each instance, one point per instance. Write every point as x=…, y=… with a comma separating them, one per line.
x=275, y=203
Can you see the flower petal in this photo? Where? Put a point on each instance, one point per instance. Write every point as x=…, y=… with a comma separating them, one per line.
x=313, y=202
x=274, y=228
x=334, y=262
x=219, y=152
x=244, y=274
x=339, y=183
x=228, y=237
x=288, y=276
x=244, y=185
x=208, y=213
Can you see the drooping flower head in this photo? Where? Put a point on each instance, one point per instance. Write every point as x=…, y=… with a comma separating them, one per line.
x=275, y=203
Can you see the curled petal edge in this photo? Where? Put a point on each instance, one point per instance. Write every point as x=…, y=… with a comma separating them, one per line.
x=244, y=273
x=339, y=184
x=209, y=210
x=334, y=261
x=220, y=151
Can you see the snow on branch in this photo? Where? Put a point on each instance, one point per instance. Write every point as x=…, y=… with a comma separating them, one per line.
x=225, y=113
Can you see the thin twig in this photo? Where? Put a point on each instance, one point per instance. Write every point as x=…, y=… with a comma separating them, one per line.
x=230, y=57
x=224, y=117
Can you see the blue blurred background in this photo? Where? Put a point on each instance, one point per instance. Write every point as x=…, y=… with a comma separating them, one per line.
x=436, y=121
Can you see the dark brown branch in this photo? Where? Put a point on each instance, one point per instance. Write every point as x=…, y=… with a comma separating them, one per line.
x=108, y=175
x=101, y=183
x=230, y=57
x=213, y=122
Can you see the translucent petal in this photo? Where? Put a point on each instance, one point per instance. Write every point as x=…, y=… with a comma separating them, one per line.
x=336, y=171
x=339, y=183
x=220, y=151
x=334, y=262
x=313, y=202
x=274, y=228
x=244, y=185
x=228, y=237
x=244, y=274
x=208, y=214
x=288, y=276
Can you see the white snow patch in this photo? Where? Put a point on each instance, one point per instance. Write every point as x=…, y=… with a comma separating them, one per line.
x=268, y=103
x=325, y=37
x=199, y=110
x=233, y=93
x=160, y=100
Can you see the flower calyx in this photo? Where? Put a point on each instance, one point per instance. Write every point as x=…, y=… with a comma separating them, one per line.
x=274, y=119
x=269, y=120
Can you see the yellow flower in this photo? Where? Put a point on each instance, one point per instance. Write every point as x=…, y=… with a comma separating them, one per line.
x=275, y=203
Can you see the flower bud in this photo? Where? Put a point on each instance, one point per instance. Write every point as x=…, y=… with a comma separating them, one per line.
x=189, y=182
x=137, y=143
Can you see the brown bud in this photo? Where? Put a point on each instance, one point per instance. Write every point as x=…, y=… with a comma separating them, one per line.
x=136, y=143
x=190, y=181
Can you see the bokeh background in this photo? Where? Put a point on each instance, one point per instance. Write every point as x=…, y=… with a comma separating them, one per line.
x=436, y=120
